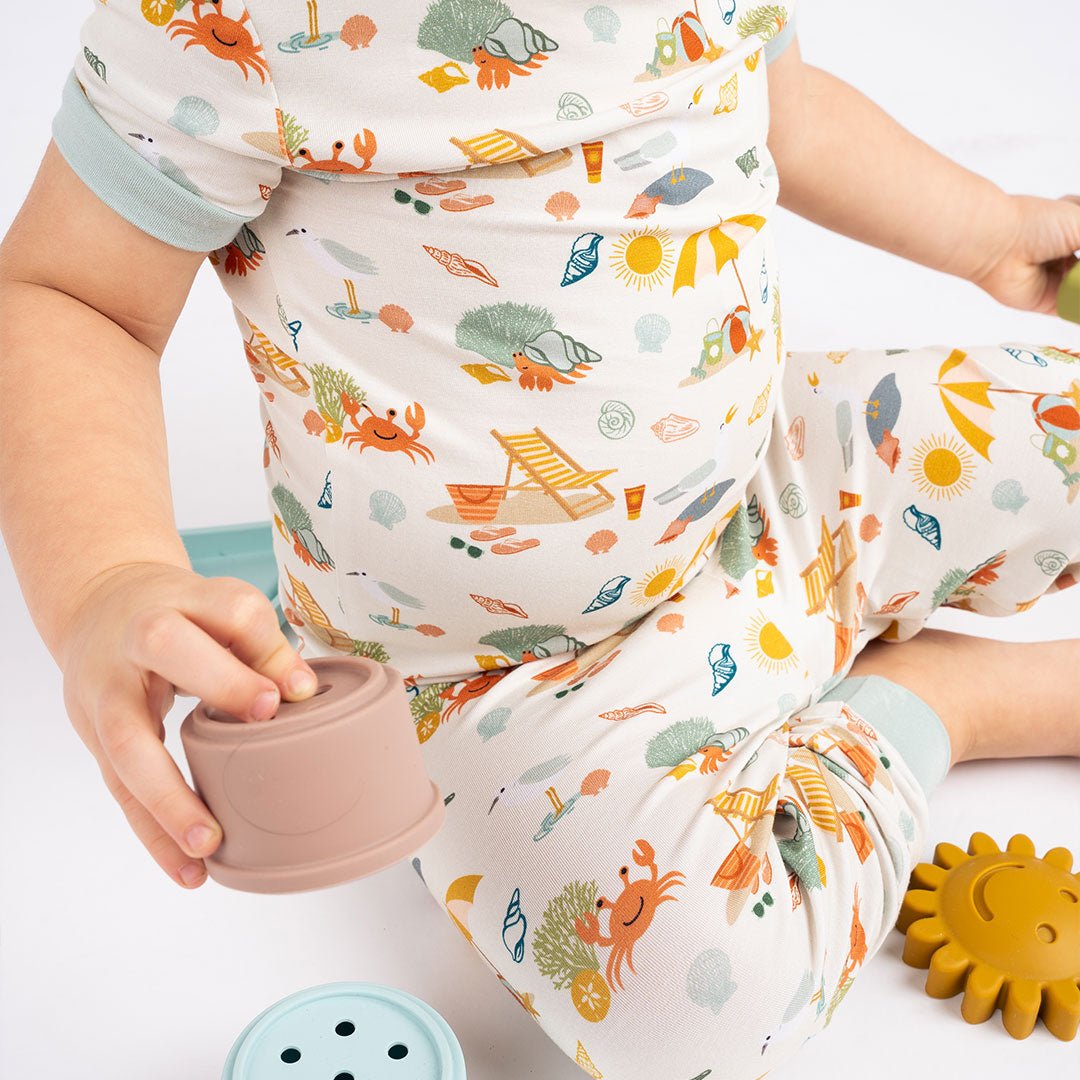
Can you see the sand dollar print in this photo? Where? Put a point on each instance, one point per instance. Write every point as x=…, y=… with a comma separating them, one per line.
x=616, y=420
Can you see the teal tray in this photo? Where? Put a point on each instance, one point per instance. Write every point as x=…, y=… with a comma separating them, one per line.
x=241, y=551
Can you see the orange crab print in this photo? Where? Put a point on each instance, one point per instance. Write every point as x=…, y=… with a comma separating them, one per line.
x=384, y=434
x=459, y=693
x=632, y=912
x=224, y=37
x=365, y=150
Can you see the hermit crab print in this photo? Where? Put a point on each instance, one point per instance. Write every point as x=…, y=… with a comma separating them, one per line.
x=487, y=34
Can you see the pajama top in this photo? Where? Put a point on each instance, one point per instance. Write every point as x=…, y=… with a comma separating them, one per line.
x=505, y=281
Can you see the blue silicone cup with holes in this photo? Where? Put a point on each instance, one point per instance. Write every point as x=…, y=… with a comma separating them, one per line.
x=347, y=1031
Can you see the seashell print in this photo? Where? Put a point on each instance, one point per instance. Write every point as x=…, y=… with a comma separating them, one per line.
x=643, y=206
x=610, y=592
x=763, y=279
x=595, y=782
x=357, y=31
x=310, y=543
x=518, y=41
x=429, y=630
x=869, y=528
x=559, y=351
x=670, y=623
x=514, y=927
x=727, y=10
x=1050, y=561
x=723, y=667
x=650, y=103
x=493, y=722
x=795, y=439
x=499, y=607
x=386, y=508
x=926, y=525
x=748, y=162
x=97, y=65
x=459, y=265
x=572, y=106
x=793, y=500
x=195, y=116
x=562, y=206
x=583, y=257
x=896, y=602
x=603, y=22
x=558, y=643
x=616, y=420
x=601, y=541
x=651, y=331
x=1009, y=495
x=397, y=318
x=690, y=183
x=674, y=427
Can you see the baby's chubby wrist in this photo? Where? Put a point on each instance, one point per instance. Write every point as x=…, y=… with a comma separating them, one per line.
x=997, y=232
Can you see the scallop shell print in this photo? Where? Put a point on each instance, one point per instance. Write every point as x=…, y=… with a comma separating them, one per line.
x=563, y=205
x=651, y=331
x=386, y=508
x=603, y=22
x=195, y=116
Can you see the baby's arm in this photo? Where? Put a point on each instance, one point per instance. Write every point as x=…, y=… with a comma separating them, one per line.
x=846, y=164
x=87, y=303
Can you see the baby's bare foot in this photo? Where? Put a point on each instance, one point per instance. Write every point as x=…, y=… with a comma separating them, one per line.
x=995, y=698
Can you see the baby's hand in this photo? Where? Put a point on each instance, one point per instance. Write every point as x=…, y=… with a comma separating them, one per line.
x=1028, y=273
x=143, y=631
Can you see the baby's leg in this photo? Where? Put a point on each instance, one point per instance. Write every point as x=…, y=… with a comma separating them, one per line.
x=972, y=683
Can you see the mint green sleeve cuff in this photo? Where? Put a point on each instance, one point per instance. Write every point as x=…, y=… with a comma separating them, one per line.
x=904, y=719
x=130, y=185
x=777, y=44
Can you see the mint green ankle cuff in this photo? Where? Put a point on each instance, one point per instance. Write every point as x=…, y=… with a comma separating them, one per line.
x=904, y=719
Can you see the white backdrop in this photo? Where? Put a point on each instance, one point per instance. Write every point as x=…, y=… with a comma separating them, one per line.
x=109, y=970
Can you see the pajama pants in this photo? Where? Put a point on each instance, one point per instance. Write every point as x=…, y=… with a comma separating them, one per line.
x=678, y=848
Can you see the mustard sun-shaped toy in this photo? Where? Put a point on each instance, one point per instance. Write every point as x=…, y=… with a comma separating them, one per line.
x=1004, y=926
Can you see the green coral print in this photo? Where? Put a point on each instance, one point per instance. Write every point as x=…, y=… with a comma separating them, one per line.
x=558, y=952
x=429, y=700
x=292, y=513
x=766, y=21
x=295, y=135
x=372, y=649
x=327, y=384
x=497, y=330
x=684, y=739
x=950, y=581
x=1053, y=353
x=454, y=27
x=515, y=640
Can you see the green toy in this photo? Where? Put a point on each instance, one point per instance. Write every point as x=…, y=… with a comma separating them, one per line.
x=1068, y=297
x=1004, y=926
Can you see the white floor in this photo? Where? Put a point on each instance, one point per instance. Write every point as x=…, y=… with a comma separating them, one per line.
x=109, y=970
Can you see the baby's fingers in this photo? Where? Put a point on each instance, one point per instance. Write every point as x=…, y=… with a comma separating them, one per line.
x=152, y=792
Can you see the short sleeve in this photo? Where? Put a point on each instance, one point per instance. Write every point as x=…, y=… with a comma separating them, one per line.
x=779, y=42
x=182, y=142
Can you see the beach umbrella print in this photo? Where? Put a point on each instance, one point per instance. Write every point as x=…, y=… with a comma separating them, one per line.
x=726, y=238
x=973, y=390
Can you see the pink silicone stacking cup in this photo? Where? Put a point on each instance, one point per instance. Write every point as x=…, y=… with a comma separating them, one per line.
x=326, y=791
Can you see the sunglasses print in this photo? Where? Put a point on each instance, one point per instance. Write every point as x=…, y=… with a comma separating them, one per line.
x=471, y=550
x=419, y=205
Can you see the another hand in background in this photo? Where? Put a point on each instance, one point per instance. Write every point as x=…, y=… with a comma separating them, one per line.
x=1028, y=273
x=142, y=632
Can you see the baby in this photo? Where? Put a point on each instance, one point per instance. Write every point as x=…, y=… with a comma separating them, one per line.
x=507, y=285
